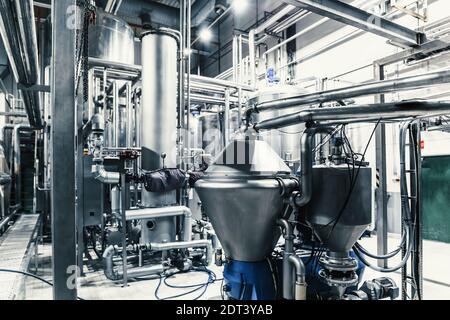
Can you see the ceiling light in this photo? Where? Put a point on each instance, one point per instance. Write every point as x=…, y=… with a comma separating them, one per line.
x=205, y=35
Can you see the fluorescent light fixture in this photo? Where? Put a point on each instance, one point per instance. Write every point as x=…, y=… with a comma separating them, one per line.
x=205, y=35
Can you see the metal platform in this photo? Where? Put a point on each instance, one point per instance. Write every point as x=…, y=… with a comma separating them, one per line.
x=16, y=248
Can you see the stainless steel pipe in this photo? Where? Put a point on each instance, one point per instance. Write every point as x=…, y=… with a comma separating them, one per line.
x=104, y=176
x=112, y=274
x=305, y=195
x=292, y=289
x=359, y=113
x=378, y=87
x=18, y=32
x=185, y=245
x=165, y=212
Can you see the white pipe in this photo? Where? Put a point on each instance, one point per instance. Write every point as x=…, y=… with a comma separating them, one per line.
x=106, y=177
x=164, y=212
x=184, y=245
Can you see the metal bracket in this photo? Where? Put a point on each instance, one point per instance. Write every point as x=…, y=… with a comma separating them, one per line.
x=35, y=87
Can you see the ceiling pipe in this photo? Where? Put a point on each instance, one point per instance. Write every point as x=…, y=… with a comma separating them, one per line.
x=377, y=87
x=18, y=32
x=359, y=113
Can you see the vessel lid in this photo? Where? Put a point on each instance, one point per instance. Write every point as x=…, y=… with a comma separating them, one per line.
x=247, y=156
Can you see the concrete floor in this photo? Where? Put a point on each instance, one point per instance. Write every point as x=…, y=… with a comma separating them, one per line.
x=94, y=286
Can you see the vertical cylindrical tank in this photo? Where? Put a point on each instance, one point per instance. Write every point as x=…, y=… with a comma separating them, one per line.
x=158, y=119
x=159, y=100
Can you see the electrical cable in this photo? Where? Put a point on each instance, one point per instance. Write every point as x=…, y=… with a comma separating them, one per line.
x=212, y=278
x=381, y=269
x=336, y=221
x=32, y=276
x=409, y=229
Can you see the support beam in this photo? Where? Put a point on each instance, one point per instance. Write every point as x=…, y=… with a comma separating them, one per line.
x=63, y=154
x=361, y=19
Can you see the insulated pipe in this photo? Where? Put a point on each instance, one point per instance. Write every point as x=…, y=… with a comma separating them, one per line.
x=378, y=87
x=165, y=212
x=359, y=113
x=99, y=172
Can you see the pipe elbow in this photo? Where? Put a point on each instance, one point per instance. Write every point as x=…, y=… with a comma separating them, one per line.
x=299, y=266
x=99, y=172
x=286, y=228
x=108, y=256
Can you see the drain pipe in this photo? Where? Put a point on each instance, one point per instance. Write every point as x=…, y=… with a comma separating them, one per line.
x=290, y=260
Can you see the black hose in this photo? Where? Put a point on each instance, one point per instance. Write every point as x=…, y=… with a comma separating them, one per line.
x=386, y=256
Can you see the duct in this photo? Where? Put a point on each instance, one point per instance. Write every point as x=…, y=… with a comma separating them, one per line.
x=165, y=212
x=99, y=172
x=185, y=245
x=360, y=113
x=18, y=32
x=377, y=87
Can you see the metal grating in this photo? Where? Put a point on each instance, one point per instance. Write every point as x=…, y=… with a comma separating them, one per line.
x=13, y=253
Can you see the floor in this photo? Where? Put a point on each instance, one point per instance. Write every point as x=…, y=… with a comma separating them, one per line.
x=94, y=285
x=14, y=255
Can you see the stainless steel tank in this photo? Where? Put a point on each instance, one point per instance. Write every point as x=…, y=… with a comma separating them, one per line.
x=331, y=188
x=111, y=39
x=158, y=121
x=285, y=142
x=241, y=196
x=210, y=128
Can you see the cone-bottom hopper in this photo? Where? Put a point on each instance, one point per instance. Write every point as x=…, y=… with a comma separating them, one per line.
x=242, y=198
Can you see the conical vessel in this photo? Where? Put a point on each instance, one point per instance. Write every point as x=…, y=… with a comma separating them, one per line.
x=241, y=195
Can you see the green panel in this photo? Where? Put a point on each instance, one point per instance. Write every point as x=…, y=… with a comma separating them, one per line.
x=436, y=198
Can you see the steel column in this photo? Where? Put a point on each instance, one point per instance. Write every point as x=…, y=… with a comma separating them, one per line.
x=381, y=190
x=63, y=154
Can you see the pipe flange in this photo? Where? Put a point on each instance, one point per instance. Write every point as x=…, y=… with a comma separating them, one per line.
x=339, y=279
x=346, y=264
